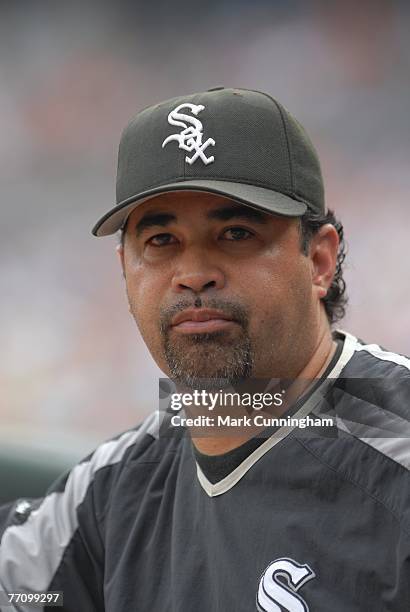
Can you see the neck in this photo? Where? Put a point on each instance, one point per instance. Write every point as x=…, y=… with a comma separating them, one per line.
x=208, y=443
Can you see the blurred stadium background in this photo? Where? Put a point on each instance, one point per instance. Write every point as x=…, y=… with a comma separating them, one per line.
x=73, y=369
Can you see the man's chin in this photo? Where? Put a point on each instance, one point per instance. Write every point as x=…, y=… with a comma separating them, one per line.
x=207, y=363
x=217, y=338
x=192, y=382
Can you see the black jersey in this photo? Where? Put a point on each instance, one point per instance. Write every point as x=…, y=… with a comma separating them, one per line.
x=304, y=520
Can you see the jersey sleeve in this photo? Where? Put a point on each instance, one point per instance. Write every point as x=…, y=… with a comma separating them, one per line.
x=56, y=543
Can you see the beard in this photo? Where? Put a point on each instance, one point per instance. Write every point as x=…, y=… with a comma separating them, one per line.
x=211, y=360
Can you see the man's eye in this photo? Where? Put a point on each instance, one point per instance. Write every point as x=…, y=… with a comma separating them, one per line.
x=161, y=240
x=237, y=233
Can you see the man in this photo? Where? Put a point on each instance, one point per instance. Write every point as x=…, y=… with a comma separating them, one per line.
x=233, y=269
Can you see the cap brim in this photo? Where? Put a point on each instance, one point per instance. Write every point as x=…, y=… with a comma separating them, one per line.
x=257, y=197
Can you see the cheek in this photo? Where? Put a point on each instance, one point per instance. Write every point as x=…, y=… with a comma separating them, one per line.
x=279, y=294
x=144, y=296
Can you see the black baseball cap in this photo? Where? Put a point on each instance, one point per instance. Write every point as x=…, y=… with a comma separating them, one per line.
x=238, y=143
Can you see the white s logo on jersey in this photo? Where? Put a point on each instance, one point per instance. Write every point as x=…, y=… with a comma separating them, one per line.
x=273, y=592
x=190, y=137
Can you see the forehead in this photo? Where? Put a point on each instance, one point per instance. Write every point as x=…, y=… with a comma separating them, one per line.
x=194, y=204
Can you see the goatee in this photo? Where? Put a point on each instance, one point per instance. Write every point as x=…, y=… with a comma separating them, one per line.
x=211, y=360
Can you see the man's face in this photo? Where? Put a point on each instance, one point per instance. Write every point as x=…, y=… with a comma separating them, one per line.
x=217, y=289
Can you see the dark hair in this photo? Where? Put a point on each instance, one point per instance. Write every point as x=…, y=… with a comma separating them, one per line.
x=335, y=300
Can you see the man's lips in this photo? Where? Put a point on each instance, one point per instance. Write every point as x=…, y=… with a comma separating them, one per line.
x=201, y=320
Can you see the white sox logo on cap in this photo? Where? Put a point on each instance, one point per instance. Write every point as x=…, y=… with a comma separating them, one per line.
x=190, y=137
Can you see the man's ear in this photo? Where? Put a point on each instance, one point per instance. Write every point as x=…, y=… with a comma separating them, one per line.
x=323, y=250
x=120, y=252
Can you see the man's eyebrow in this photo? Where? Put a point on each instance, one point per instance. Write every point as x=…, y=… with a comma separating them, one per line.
x=154, y=219
x=224, y=213
x=235, y=211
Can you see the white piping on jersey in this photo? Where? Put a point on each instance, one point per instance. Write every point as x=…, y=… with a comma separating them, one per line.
x=23, y=563
x=222, y=486
x=376, y=351
x=397, y=449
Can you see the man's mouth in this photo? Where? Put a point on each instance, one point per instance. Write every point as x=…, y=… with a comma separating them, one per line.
x=201, y=320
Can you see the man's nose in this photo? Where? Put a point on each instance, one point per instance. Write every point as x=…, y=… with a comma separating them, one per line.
x=197, y=273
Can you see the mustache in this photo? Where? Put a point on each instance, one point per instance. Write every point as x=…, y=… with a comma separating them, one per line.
x=233, y=310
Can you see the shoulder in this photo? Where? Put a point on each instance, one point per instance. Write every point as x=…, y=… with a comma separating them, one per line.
x=88, y=484
x=365, y=359
x=373, y=388
x=37, y=533
x=369, y=401
x=102, y=468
